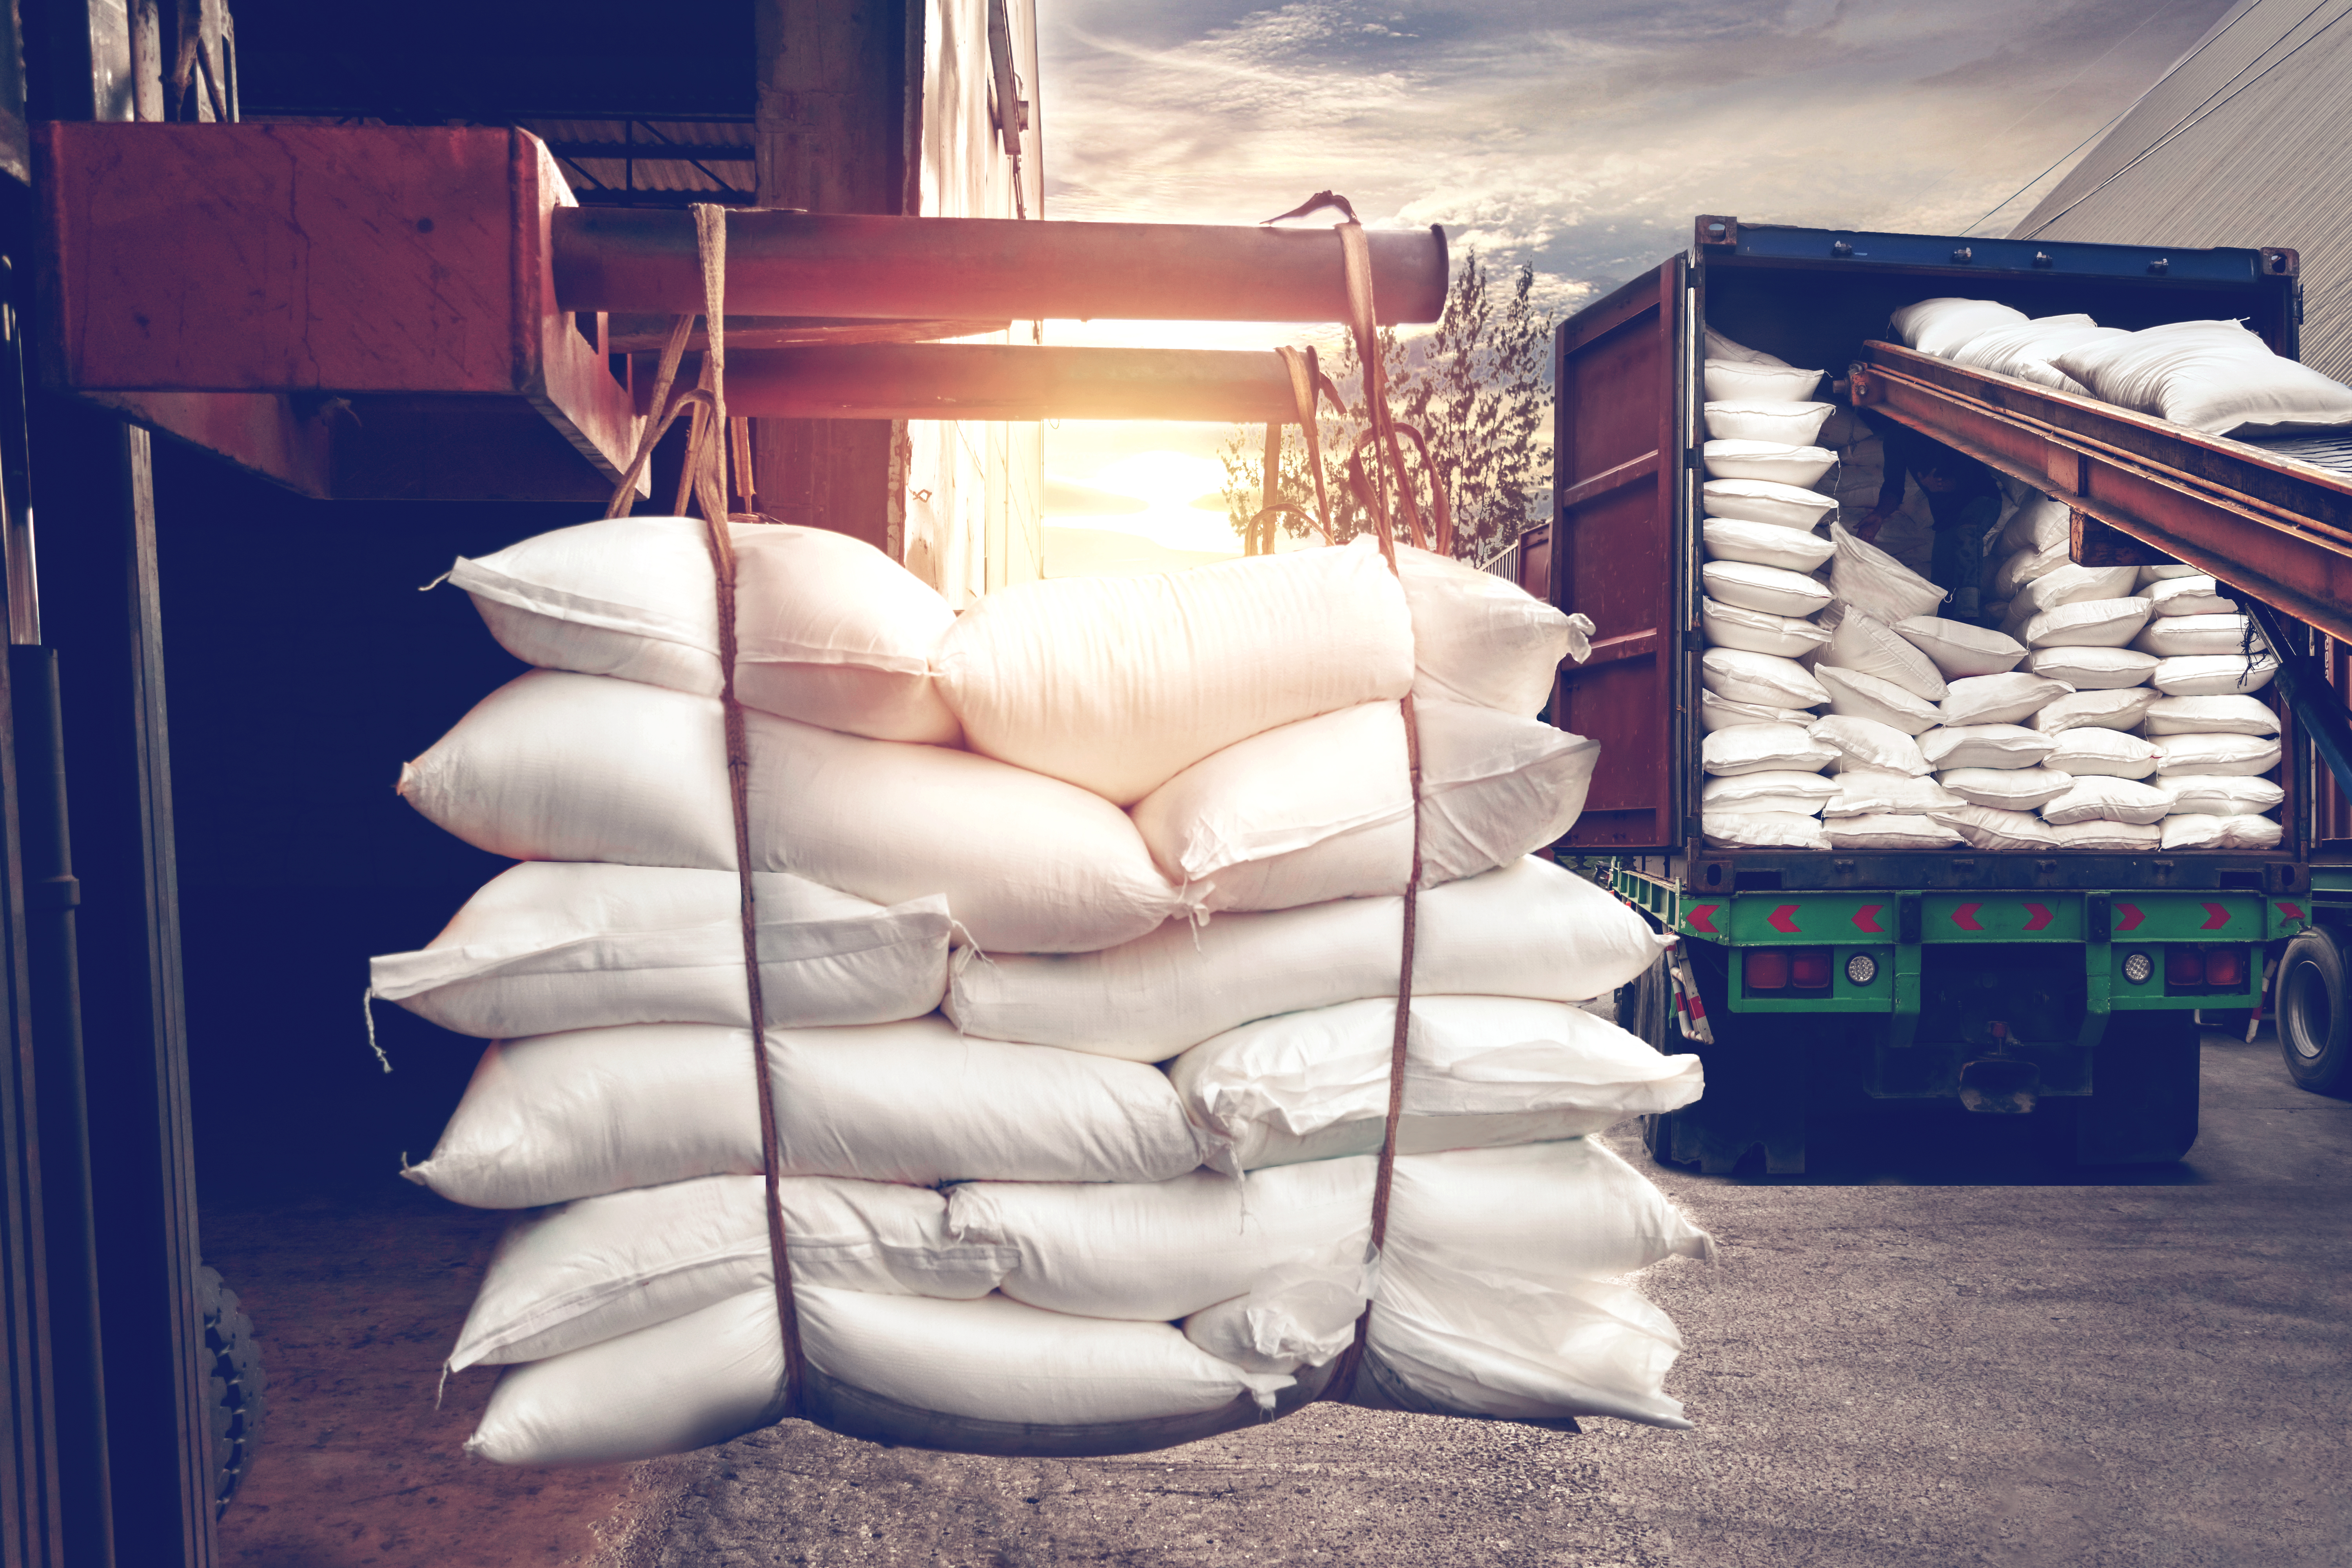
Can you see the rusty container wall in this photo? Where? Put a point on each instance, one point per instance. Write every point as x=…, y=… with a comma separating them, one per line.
x=1616, y=556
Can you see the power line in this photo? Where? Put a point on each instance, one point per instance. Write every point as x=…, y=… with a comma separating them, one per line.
x=2195, y=118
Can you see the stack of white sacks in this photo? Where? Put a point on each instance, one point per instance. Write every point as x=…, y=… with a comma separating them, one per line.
x=1079, y=923
x=2114, y=709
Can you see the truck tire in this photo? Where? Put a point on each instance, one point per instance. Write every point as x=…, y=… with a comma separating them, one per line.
x=2145, y=1078
x=232, y=1364
x=2315, y=1029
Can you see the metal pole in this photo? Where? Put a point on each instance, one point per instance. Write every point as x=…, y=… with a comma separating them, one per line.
x=867, y=267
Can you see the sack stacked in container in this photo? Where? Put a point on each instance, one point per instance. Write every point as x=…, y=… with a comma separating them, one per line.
x=1020, y=1222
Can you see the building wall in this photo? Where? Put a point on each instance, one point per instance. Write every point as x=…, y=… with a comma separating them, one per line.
x=974, y=488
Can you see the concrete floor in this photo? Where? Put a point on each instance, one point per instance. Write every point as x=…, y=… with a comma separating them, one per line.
x=1940, y=1352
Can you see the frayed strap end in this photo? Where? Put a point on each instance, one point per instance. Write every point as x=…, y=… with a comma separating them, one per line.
x=367, y=1011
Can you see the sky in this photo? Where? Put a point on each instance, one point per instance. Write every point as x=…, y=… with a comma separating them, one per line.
x=1578, y=137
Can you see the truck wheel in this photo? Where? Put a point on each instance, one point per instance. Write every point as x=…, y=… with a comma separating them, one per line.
x=2143, y=1089
x=2315, y=1029
x=233, y=1365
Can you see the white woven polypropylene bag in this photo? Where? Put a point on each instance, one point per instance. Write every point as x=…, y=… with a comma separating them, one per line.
x=1888, y=830
x=1871, y=793
x=2110, y=709
x=2213, y=674
x=2022, y=566
x=1777, y=461
x=1767, y=588
x=1862, y=642
x=2096, y=622
x=2214, y=756
x=1761, y=830
x=2214, y=377
x=1324, y=808
x=1757, y=631
x=829, y=630
x=1958, y=650
x=1760, y=678
x=1762, y=748
x=2010, y=698
x=571, y=1115
x=1117, y=684
x=1766, y=501
x=1860, y=695
x=2100, y=833
x=1944, y=326
x=2109, y=753
x=1867, y=742
x=1534, y=929
x=1953, y=747
x=2203, y=832
x=1744, y=792
x=2037, y=524
x=2025, y=351
x=2007, y=789
x=2209, y=716
x=1727, y=379
x=2092, y=668
x=1869, y=579
x=2218, y=632
x=1477, y=638
x=578, y=767
x=2107, y=799
x=1992, y=829
x=1757, y=419
x=2224, y=794
x=1722, y=713
x=1765, y=543
x=546, y=946
x=2191, y=595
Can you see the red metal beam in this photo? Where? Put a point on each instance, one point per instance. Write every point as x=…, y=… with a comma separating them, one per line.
x=993, y=381
x=2269, y=526
x=865, y=267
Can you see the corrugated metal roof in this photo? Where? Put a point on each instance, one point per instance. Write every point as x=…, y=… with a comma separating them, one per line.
x=2247, y=140
x=612, y=158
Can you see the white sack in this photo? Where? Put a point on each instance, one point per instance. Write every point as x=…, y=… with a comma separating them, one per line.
x=1765, y=543
x=1767, y=588
x=1862, y=642
x=1942, y=327
x=576, y=767
x=2109, y=753
x=1869, y=743
x=1323, y=809
x=1534, y=929
x=2039, y=524
x=2109, y=710
x=2071, y=584
x=2088, y=623
x=1994, y=830
x=1876, y=793
x=1765, y=500
x=1958, y=650
x=2227, y=795
x=2214, y=756
x=2007, y=698
x=1479, y=639
x=1760, y=678
x=1723, y=348
x=1722, y=713
x=2166, y=572
x=2020, y=567
x=1755, y=419
x=1761, y=830
x=2025, y=350
x=2191, y=595
x=1746, y=791
x=2007, y=789
x=573, y=1115
x=1729, y=379
x=1762, y=748
x=1117, y=684
x=2214, y=377
x=2109, y=800
x=828, y=629
x=1871, y=580
x=1954, y=747
x=1778, y=462
x=1482, y=1072
x=2092, y=668
x=2209, y=716
x=598, y=1268
x=2218, y=632
x=2213, y=674
x=2202, y=832
x=2115, y=837
x=1785, y=636
x=1885, y=830
x=546, y=946
x=1857, y=694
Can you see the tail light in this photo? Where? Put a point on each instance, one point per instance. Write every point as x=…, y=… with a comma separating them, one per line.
x=1809, y=968
x=1767, y=969
x=2225, y=966
x=2184, y=966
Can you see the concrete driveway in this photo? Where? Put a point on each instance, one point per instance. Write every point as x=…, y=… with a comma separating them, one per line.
x=1939, y=1351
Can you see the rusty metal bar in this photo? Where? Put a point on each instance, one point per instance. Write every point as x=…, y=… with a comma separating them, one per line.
x=994, y=380
x=2275, y=529
x=867, y=267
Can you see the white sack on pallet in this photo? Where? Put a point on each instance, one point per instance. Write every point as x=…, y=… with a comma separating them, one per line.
x=1944, y=326
x=576, y=767
x=1764, y=501
x=1871, y=793
x=2114, y=838
x=2088, y=748
x=1323, y=808
x=1765, y=543
x=2191, y=831
x=1477, y=638
x=2213, y=674
x=828, y=629
x=1994, y=830
x=1869, y=579
x=1764, y=748
x=2215, y=755
x=589, y=1111
x=1483, y=1072
x=598, y=1268
x=546, y=946
x=1534, y=929
x=964, y=1375
x=2195, y=595
x=1758, y=419
x=1785, y=636
x=2088, y=623
x=1867, y=742
x=1958, y=650
x=1787, y=789
x=1889, y=830
x=2209, y=716
x=1857, y=694
x=1767, y=588
x=2225, y=794
x=1722, y=713
x=2217, y=632
x=1738, y=458
x=1760, y=678
x=1729, y=378
x=2108, y=800
x=1761, y=830
x=2006, y=789
x=2007, y=698
x=1117, y=684
x=2109, y=710
x=1863, y=642
x=1567, y=1210
x=2025, y=350
x=2214, y=377
x=2092, y=668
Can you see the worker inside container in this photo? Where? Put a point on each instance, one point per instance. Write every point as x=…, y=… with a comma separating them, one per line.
x=1963, y=500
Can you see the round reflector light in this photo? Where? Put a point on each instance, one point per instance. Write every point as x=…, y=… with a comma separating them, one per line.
x=1861, y=969
x=2137, y=967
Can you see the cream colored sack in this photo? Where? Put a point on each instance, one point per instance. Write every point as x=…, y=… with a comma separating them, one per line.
x=1479, y=639
x=1117, y=684
x=577, y=767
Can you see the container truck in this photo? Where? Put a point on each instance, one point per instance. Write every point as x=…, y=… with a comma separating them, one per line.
x=2063, y=983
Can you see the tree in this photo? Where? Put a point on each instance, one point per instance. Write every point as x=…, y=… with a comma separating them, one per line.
x=1478, y=389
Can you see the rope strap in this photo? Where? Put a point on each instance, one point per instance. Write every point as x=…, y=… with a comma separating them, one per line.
x=705, y=478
